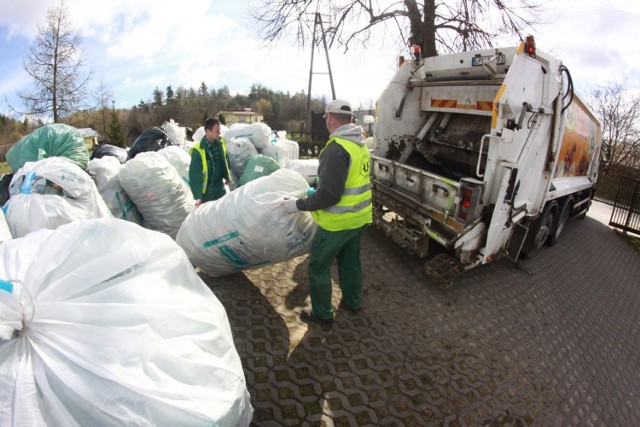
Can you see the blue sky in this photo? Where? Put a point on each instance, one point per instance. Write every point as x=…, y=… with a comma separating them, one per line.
x=137, y=45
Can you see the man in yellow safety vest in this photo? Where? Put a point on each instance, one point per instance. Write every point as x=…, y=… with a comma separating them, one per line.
x=341, y=207
x=209, y=167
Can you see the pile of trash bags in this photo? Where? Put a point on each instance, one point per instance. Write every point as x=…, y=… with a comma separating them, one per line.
x=103, y=319
x=103, y=322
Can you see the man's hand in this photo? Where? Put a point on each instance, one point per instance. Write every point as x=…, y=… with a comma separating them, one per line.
x=198, y=203
x=290, y=205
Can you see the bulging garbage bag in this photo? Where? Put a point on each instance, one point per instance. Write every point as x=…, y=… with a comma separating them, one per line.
x=240, y=150
x=52, y=140
x=257, y=166
x=5, y=233
x=152, y=139
x=278, y=151
x=104, y=150
x=179, y=159
x=104, y=323
x=161, y=196
x=104, y=172
x=248, y=227
x=49, y=193
x=258, y=133
x=307, y=168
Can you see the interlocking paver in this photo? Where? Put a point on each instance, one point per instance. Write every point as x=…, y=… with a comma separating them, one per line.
x=552, y=340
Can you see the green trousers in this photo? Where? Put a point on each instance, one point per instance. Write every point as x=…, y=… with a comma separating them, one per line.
x=327, y=247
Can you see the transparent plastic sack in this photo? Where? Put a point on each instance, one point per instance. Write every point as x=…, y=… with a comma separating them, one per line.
x=292, y=146
x=176, y=133
x=104, y=172
x=278, y=151
x=5, y=232
x=258, y=133
x=49, y=193
x=161, y=196
x=248, y=227
x=104, y=323
x=308, y=168
x=240, y=150
x=179, y=159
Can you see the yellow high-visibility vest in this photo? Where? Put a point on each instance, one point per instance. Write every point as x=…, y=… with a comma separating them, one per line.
x=203, y=157
x=354, y=208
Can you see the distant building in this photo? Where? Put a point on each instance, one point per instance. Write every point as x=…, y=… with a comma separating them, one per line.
x=90, y=137
x=245, y=116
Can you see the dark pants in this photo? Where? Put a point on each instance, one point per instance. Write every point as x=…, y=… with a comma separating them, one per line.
x=343, y=246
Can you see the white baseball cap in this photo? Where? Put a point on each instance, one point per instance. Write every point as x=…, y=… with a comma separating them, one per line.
x=338, y=106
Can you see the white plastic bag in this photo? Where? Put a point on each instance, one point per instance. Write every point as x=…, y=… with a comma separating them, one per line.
x=107, y=324
x=308, y=168
x=176, y=133
x=5, y=233
x=258, y=133
x=240, y=151
x=292, y=146
x=105, y=174
x=49, y=193
x=278, y=151
x=248, y=227
x=161, y=196
x=179, y=159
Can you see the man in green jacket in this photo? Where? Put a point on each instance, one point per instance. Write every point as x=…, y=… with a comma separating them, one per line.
x=209, y=167
x=341, y=207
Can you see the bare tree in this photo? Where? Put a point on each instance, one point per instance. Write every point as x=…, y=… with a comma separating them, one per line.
x=103, y=96
x=446, y=26
x=55, y=63
x=619, y=111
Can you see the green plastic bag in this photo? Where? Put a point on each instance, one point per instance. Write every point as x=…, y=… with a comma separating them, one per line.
x=257, y=166
x=52, y=140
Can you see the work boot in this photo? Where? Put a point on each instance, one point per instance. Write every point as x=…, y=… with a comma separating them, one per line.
x=344, y=306
x=306, y=315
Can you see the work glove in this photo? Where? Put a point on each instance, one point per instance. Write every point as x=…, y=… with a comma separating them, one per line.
x=290, y=205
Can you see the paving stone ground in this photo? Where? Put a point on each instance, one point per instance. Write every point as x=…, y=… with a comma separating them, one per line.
x=552, y=340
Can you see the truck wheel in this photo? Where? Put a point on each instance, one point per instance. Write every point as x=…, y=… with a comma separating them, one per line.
x=561, y=222
x=545, y=225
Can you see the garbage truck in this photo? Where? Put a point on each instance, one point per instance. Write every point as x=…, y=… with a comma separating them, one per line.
x=488, y=153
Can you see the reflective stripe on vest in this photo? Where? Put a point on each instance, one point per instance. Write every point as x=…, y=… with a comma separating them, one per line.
x=354, y=208
x=203, y=157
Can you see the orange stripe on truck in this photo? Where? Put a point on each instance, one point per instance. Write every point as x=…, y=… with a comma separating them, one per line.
x=444, y=103
x=484, y=105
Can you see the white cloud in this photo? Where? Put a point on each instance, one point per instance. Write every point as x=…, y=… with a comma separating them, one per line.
x=138, y=45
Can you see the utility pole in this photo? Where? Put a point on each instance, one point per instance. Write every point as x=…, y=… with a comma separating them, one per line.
x=318, y=23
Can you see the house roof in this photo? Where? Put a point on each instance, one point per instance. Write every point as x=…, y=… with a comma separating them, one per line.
x=88, y=132
x=241, y=113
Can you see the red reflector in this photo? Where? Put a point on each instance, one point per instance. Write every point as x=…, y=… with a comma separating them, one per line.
x=465, y=203
x=530, y=46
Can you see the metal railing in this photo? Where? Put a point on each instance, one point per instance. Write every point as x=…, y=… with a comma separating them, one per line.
x=626, y=208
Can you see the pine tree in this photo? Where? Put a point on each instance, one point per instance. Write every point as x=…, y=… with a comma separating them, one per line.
x=115, y=133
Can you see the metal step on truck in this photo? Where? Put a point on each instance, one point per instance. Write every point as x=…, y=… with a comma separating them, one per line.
x=488, y=153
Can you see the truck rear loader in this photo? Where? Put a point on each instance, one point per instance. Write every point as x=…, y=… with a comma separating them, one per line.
x=488, y=153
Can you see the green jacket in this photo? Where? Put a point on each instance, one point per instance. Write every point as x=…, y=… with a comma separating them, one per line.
x=208, y=168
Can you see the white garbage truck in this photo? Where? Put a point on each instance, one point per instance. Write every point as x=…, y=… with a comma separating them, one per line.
x=488, y=153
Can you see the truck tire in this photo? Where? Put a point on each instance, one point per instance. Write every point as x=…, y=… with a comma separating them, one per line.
x=561, y=222
x=544, y=224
